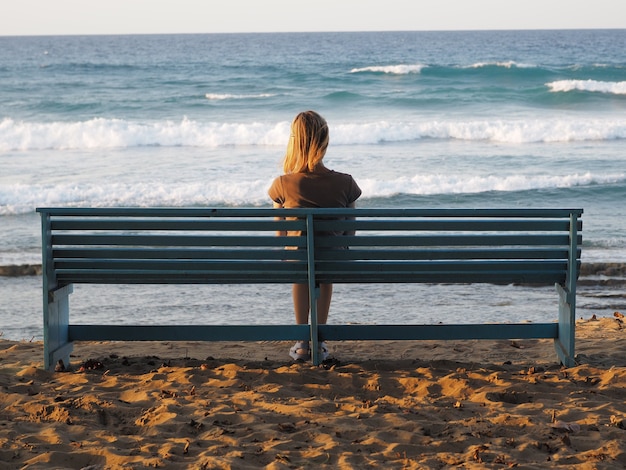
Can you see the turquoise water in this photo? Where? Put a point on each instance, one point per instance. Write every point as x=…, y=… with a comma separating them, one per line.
x=421, y=119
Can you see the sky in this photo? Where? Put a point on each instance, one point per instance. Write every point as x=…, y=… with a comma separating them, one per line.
x=59, y=17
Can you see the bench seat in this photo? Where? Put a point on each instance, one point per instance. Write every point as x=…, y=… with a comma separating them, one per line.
x=243, y=246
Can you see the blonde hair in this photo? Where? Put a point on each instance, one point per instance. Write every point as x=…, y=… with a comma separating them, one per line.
x=307, y=144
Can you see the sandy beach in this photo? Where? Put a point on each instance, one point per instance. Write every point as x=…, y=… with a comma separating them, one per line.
x=457, y=404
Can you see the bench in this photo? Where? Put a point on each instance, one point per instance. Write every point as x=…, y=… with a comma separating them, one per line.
x=241, y=246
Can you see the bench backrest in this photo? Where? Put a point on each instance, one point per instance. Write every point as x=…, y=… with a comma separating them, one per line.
x=177, y=245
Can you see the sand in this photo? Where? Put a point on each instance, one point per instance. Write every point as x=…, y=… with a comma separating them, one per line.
x=456, y=404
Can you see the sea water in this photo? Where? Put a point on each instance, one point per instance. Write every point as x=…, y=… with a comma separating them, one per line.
x=420, y=119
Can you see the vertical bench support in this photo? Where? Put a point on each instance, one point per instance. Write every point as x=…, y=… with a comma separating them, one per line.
x=57, y=344
x=565, y=343
x=314, y=289
x=56, y=308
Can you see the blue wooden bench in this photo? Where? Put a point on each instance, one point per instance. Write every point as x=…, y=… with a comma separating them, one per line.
x=240, y=245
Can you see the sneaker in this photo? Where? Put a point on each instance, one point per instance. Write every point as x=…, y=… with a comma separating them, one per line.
x=323, y=351
x=300, y=351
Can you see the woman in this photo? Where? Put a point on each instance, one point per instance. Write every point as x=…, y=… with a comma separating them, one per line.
x=308, y=183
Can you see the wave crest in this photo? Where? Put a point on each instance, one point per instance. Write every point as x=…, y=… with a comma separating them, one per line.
x=119, y=133
x=434, y=184
x=507, y=64
x=103, y=133
x=24, y=198
x=615, y=88
x=229, y=96
x=401, y=69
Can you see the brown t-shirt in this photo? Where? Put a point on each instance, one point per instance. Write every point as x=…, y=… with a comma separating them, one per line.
x=320, y=189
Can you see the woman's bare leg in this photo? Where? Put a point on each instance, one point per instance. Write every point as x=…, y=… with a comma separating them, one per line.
x=300, y=294
x=323, y=303
x=301, y=303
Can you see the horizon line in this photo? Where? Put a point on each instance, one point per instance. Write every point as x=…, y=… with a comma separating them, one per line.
x=314, y=32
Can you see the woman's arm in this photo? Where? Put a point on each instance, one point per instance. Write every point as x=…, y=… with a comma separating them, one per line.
x=352, y=205
x=279, y=233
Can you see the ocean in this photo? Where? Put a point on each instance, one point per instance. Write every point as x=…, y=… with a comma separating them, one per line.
x=420, y=119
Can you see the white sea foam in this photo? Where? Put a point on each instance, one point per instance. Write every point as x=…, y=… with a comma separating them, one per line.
x=495, y=130
x=616, y=88
x=24, y=198
x=228, y=96
x=508, y=64
x=401, y=69
x=431, y=184
x=117, y=133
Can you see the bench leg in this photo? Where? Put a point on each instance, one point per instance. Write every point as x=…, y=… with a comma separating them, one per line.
x=565, y=342
x=314, y=290
x=57, y=345
x=314, y=294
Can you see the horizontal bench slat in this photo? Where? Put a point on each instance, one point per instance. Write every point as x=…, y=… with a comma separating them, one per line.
x=465, y=239
x=177, y=240
x=178, y=225
x=351, y=254
x=497, y=225
x=235, y=266
x=136, y=276
x=258, y=212
x=441, y=265
x=445, y=277
x=187, y=332
x=506, y=276
x=178, y=253
x=355, y=270
x=92, y=332
x=341, y=241
x=449, y=254
x=438, y=332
